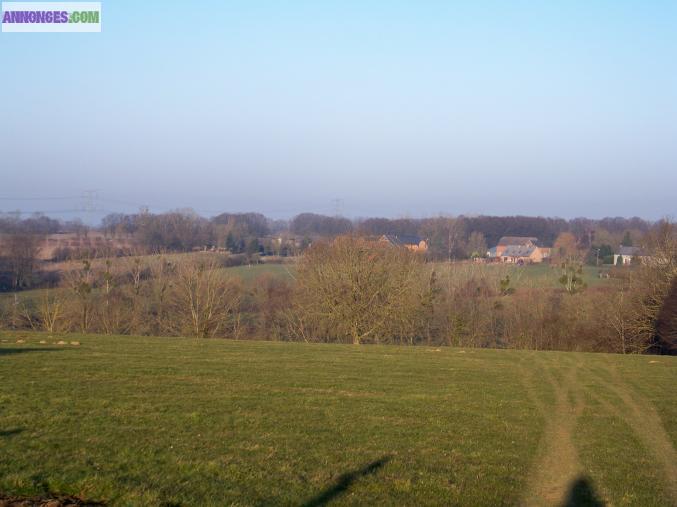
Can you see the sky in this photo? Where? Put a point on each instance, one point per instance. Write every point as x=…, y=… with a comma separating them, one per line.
x=364, y=108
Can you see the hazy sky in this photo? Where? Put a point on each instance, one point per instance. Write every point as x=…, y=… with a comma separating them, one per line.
x=397, y=108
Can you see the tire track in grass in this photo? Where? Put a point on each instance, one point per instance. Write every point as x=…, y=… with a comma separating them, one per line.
x=557, y=465
x=526, y=379
x=644, y=420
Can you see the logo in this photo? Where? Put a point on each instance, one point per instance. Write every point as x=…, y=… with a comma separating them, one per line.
x=51, y=16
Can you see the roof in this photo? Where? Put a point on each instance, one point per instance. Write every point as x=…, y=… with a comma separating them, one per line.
x=518, y=251
x=402, y=239
x=630, y=250
x=516, y=240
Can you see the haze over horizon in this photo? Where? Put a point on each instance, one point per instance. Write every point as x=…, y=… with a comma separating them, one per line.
x=393, y=108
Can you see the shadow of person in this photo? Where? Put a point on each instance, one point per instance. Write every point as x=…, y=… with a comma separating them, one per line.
x=582, y=494
x=344, y=482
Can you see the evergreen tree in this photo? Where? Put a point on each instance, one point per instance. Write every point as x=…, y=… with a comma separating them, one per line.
x=627, y=239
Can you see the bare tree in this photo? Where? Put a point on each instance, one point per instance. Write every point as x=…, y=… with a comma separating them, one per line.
x=356, y=289
x=615, y=311
x=203, y=299
x=477, y=245
x=80, y=281
x=565, y=248
x=21, y=250
x=50, y=310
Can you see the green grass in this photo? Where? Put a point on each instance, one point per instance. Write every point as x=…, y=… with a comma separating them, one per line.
x=153, y=421
x=249, y=274
x=545, y=275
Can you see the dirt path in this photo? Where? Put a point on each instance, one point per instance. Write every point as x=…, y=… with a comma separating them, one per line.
x=642, y=417
x=557, y=466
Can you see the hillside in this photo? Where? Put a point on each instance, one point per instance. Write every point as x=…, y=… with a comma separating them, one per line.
x=64, y=244
x=170, y=421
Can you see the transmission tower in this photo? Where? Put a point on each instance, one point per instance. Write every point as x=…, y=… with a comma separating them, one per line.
x=337, y=205
x=90, y=201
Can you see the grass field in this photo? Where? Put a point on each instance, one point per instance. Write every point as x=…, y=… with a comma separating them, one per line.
x=535, y=275
x=168, y=421
x=527, y=276
x=538, y=275
x=546, y=275
x=249, y=274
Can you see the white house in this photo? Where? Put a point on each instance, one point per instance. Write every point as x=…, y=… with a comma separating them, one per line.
x=626, y=254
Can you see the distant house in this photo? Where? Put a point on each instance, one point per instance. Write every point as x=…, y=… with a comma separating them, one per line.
x=510, y=241
x=518, y=254
x=410, y=242
x=519, y=250
x=627, y=254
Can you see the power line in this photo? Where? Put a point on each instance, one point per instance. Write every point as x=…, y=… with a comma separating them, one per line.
x=89, y=200
x=45, y=212
x=40, y=198
x=338, y=206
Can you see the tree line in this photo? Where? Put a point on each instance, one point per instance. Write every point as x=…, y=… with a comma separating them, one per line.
x=252, y=235
x=351, y=289
x=458, y=237
x=182, y=230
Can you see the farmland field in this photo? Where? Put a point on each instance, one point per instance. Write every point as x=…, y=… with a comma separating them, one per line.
x=172, y=421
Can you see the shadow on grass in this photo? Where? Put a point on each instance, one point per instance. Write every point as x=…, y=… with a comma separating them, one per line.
x=10, y=433
x=582, y=494
x=344, y=482
x=9, y=352
x=51, y=500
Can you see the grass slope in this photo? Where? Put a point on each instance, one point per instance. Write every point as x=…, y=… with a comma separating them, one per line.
x=153, y=421
x=547, y=276
x=250, y=274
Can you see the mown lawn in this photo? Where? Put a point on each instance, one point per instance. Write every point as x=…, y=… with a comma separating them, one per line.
x=169, y=421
